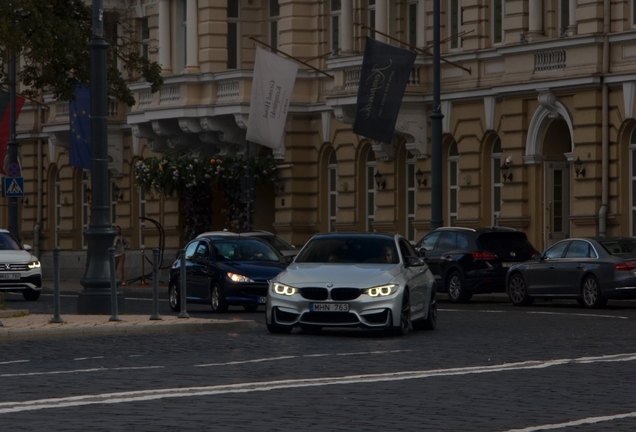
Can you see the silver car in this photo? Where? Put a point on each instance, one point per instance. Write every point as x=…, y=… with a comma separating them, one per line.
x=369, y=280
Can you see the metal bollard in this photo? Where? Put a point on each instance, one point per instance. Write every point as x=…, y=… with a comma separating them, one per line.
x=182, y=285
x=155, y=285
x=143, y=267
x=113, y=285
x=56, y=286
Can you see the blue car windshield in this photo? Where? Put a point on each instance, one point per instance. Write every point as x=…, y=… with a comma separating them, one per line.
x=349, y=249
x=244, y=249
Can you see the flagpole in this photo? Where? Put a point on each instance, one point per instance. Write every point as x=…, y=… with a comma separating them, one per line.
x=96, y=296
x=291, y=57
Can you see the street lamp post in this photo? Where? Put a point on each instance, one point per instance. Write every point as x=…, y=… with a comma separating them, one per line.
x=436, y=127
x=12, y=146
x=95, y=298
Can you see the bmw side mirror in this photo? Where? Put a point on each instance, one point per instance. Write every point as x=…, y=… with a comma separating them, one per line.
x=27, y=247
x=287, y=259
x=412, y=261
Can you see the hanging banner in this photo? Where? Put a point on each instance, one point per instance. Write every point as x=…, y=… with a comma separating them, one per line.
x=272, y=89
x=80, y=129
x=5, y=127
x=383, y=78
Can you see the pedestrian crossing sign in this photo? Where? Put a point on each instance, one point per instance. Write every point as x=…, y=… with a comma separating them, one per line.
x=14, y=187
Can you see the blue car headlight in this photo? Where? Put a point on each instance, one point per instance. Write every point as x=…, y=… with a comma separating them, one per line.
x=281, y=289
x=34, y=264
x=382, y=290
x=238, y=278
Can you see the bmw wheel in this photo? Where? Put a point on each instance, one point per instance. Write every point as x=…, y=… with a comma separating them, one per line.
x=405, y=316
x=591, y=293
x=431, y=318
x=216, y=299
x=173, y=297
x=457, y=292
x=518, y=292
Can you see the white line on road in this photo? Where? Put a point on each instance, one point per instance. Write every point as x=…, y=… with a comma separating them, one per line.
x=589, y=420
x=14, y=361
x=292, y=357
x=88, y=358
x=538, y=312
x=80, y=371
x=147, y=395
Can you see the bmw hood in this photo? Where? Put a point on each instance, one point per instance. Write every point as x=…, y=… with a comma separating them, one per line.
x=353, y=276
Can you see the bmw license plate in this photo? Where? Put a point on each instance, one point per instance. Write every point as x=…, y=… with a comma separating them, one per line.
x=329, y=307
x=508, y=264
x=11, y=276
x=262, y=300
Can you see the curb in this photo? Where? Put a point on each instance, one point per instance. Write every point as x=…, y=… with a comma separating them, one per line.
x=12, y=313
x=57, y=330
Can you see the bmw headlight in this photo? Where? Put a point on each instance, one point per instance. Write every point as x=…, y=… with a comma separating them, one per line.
x=34, y=264
x=238, y=278
x=382, y=290
x=281, y=289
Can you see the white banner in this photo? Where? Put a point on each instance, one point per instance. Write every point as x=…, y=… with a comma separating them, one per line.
x=272, y=89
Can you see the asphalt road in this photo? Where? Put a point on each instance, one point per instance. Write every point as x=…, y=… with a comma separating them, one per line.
x=489, y=366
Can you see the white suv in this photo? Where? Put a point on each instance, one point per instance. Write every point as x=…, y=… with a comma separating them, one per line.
x=20, y=271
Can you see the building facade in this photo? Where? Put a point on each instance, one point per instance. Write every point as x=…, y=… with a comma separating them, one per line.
x=538, y=129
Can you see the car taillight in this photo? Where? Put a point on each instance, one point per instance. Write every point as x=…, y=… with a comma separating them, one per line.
x=484, y=256
x=625, y=266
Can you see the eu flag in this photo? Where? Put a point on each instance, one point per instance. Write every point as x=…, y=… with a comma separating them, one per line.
x=80, y=128
x=383, y=78
x=5, y=123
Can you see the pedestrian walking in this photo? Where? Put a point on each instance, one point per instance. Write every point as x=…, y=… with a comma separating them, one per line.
x=120, y=244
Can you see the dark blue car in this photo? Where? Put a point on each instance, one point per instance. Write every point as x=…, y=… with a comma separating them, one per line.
x=226, y=271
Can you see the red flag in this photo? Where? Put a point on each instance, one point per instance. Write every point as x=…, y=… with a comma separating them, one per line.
x=5, y=123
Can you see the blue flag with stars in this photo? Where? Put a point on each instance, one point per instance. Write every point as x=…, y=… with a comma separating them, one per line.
x=80, y=128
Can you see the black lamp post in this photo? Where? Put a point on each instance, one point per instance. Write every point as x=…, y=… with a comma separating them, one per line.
x=436, y=127
x=95, y=298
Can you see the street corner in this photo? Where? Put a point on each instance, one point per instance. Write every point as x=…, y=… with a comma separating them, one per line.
x=25, y=326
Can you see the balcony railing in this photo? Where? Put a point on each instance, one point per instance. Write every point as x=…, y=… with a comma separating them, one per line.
x=170, y=94
x=228, y=91
x=352, y=77
x=549, y=61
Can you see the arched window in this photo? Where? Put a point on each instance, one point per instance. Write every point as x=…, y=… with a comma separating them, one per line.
x=496, y=180
x=453, y=182
x=370, y=189
x=333, y=190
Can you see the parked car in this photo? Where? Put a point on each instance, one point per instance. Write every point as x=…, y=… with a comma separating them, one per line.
x=468, y=261
x=224, y=271
x=281, y=245
x=353, y=280
x=590, y=270
x=20, y=270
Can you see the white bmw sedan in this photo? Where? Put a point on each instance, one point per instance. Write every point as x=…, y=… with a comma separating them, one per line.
x=366, y=280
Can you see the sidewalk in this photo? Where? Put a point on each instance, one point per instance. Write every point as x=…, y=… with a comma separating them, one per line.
x=19, y=324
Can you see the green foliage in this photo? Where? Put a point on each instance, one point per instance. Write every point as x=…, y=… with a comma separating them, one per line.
x=52, y=38
x=195, y=179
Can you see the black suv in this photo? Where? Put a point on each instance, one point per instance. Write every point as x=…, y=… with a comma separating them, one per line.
x=468, y=261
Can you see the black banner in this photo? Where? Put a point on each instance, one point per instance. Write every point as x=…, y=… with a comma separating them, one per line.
x=383, y=78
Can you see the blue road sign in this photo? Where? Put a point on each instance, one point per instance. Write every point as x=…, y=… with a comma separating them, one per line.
x=14, y=187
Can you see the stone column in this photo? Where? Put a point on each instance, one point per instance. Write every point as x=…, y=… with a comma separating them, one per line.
x=421, y=24
x=192, y=36
x=382, y=19
x=346, y=19
x=572, y=24
x=535, y=15
x=164, y=35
